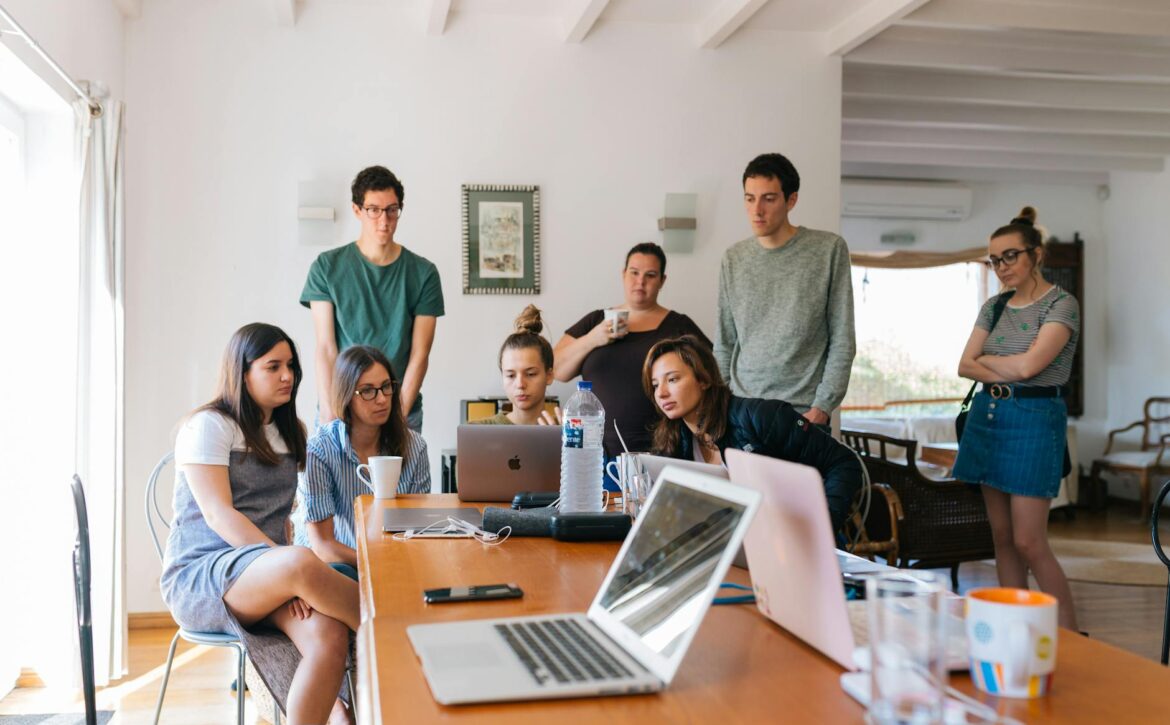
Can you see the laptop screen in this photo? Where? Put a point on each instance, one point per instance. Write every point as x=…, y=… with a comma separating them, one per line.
x=657, y=589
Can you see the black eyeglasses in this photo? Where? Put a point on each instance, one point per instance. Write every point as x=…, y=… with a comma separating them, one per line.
x=373, y=212
x=1009, y=257
x=370, y=392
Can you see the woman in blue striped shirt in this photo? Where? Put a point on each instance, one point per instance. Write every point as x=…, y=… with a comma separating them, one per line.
x=369, y=423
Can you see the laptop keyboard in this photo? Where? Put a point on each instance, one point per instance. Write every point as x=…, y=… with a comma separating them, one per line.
x=561, y=651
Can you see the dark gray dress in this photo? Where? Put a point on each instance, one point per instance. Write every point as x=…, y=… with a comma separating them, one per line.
x=199, y=566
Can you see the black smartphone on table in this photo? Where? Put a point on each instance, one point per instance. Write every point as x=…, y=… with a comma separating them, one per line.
x=480, y=592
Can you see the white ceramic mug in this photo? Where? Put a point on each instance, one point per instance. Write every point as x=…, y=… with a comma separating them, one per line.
x=1012, y=637
x=617, y=317
x=383, y=472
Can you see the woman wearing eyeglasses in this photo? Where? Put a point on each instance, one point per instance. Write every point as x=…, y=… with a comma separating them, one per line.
x=227, y=567
x=371, y=423
x=1014, y=439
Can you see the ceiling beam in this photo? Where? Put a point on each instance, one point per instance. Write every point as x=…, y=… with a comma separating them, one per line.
x=1031, y=15
x=130, y=9
x=437, y=12
x=582, y=18
x=955, y=49
x=1039, y=142
x=997, y=159
x=876, y=82
x=946, y=115
x=286, y=12
x=970, y=173
x=725, y=20
x=866, y=22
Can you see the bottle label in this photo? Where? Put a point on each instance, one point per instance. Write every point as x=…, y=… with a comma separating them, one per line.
x=573, y=433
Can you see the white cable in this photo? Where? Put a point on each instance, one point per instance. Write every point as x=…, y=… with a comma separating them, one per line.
x=452, y=525
x=866, y=498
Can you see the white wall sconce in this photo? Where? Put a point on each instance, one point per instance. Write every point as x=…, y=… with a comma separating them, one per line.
x=316, y=213
x=678, y=222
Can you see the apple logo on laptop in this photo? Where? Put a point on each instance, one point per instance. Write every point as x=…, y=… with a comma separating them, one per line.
x=514, y=463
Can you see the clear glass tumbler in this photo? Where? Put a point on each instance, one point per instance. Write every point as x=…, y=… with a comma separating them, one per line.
x=907, y=619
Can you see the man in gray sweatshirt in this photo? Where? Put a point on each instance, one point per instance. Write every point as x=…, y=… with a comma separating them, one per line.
x=785, y=327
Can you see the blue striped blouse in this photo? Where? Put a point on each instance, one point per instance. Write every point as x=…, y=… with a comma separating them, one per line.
x=330, y=483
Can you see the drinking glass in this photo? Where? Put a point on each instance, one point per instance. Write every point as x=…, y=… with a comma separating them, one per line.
x=907, y=617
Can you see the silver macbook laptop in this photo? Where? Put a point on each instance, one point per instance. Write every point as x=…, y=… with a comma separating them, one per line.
x=639, y=626
x=654, y=465
x=495, y=462
x=795, y=566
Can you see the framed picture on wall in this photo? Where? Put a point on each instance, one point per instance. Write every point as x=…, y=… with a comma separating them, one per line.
x=501, y=239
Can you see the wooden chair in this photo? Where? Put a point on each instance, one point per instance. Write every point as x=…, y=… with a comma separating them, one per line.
x=874, y=531
x=936, y=523
x=1148, y=461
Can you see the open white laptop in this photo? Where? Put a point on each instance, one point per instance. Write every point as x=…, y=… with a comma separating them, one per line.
x=654, y=466
x=795, y=567
x=638, y=627
x=495, y=462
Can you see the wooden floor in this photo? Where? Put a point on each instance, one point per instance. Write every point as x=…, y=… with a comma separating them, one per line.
x=199, y=692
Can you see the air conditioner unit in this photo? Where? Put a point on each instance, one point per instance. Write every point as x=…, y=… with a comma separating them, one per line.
x=905, y=200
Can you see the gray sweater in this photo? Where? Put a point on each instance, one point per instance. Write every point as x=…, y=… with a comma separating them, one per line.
x=785, y=328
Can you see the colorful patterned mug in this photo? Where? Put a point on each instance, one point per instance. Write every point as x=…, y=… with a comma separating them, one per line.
x=1012, y=638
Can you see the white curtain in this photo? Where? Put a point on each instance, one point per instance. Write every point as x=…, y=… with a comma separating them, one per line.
x=100, y=366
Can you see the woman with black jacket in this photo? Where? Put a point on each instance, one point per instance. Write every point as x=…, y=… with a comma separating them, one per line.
x=699, y=418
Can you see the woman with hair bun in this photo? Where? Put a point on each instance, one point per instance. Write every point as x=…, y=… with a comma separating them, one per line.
x=526, y=364
x=1013, y=443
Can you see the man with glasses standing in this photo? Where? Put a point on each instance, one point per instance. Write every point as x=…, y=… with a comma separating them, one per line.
x=375, y=292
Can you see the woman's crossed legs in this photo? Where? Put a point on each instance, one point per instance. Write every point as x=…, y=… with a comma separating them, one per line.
x=263, y=593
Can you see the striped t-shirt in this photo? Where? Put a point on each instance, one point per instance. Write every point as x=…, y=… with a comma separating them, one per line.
x=330, y=483
x=1018, y=327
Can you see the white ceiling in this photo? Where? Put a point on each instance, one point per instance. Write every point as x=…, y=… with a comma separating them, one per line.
x=1053, y=89
x=1067, y=89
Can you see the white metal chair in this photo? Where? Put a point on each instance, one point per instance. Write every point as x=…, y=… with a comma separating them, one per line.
x=156, y=520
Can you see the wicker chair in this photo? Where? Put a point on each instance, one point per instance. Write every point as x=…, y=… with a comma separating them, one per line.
x=935, y=523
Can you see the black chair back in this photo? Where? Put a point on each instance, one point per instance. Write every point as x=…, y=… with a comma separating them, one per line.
x=1154, y=518
x=81, y=577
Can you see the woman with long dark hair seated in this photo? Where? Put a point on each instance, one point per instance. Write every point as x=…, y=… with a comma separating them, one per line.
x=699, y=418
x=227, y=567
x=370, y=422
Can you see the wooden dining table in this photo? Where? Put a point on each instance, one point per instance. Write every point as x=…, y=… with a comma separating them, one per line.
x=741, y=667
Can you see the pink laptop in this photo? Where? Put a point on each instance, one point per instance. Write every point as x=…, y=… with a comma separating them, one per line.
x=791, y=555
x=794, y=563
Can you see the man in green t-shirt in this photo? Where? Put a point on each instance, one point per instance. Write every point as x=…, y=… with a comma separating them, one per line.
x=375, y=292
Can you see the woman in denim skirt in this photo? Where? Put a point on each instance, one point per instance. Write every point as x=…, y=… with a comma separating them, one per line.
x=1014, y=440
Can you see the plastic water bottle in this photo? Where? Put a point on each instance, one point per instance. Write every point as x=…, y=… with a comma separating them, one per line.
x=582, y=427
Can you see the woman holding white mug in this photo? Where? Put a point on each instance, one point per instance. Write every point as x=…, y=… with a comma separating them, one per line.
x=369, y=424
x=608, y=350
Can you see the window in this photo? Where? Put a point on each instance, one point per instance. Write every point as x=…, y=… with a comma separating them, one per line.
x=912, y=325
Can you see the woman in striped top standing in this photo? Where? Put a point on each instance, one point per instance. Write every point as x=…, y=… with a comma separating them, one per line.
x=1014, y=440
x=369, y=423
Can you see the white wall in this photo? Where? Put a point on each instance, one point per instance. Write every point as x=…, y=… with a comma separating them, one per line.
x=227, y=113
x=1137, y=336
x=1063, y=209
